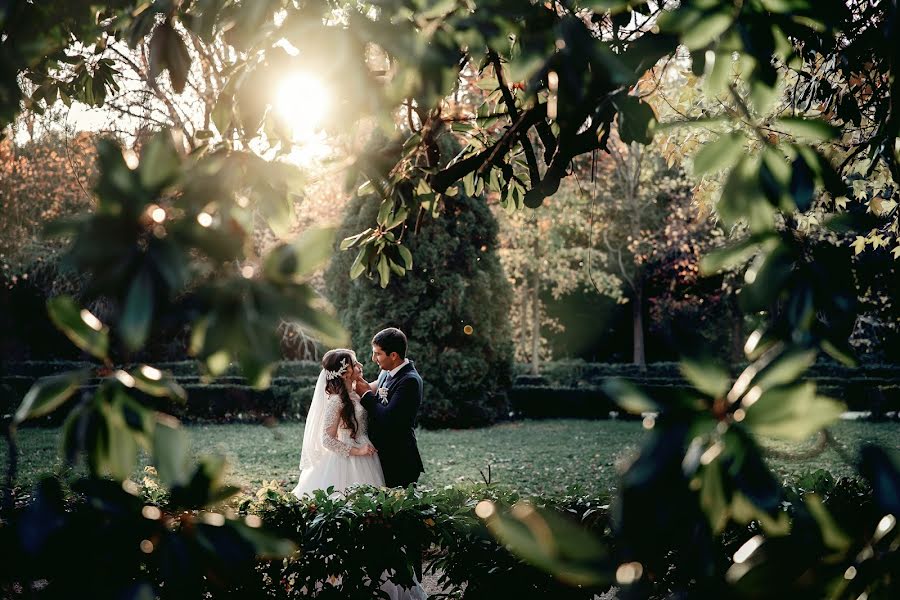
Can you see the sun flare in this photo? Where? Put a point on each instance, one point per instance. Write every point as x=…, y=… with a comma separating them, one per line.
x=302, y=101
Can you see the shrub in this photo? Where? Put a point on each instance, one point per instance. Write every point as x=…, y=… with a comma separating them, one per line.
x=347, y=543
x=457, y=282
x=372, y=531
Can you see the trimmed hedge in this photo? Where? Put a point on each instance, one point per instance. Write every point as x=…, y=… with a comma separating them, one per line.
x=574, y=388
x=565, y=389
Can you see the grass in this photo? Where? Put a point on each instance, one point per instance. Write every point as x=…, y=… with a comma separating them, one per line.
x=534, y=456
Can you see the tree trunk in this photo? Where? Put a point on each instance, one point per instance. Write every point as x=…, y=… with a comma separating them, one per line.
x=637, y=325
x=535, y=323
x=523, y=343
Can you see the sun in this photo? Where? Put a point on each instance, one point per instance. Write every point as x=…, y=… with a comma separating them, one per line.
x=303, y=102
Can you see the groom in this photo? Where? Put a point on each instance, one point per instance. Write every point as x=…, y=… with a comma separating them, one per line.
x=392, y=403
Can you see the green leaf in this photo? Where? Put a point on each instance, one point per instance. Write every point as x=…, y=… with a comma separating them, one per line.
x=613, y=5
x=706, y=375
x=160, y=162
x=812, y=129
x=265, y=544
x=397, y=218
x=553, y=543
x=735, y=255
x=487, y=83
x=157, y=383
x=713, y=497
x=707, y=29
x=720, y=154
x=168, y=52
x=49, y=393
x=121, y=456
x=83, y=328
x=406, y=255
x=170, y=451
x=137, y=314
x=361, y=263
x=881, y=467
x=298, y=260
x=384, y=272
x=223, y=113
x=832, y=534
x=629, y=396
x=792, y=412
x=387, y=207
x=785, y=368
x=742, y=197
x=352, y=240
x=277, y=208
x=768, y=281
x=720, y=74
x=636, y=120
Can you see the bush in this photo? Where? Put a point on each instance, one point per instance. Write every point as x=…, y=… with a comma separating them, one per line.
x=457, y=282
x=372, y=531
x=346, y=543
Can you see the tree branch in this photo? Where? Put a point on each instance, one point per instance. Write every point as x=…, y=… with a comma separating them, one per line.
x=510, y=102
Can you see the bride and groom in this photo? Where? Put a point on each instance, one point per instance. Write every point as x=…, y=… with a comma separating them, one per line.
x=359, y=432
x=364, y=433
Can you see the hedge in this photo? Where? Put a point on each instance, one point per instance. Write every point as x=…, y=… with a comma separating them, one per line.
x=346, y=543
x=565, y=389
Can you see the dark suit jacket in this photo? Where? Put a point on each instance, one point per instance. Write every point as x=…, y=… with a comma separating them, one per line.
x=392, y=425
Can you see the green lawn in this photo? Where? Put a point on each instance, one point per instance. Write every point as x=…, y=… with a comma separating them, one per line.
x=533, y=456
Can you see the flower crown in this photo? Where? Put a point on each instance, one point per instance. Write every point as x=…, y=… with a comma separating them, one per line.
x=335, y=374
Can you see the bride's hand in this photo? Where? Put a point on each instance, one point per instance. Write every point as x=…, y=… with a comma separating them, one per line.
x=366, y=450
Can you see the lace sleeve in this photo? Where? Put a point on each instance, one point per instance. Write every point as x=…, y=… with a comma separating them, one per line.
x=332, y=420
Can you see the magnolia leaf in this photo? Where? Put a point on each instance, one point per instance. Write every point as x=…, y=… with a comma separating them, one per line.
x=792, y=412
x=154, y=382
x=160, y=161
x=80, y=325
x=733, y=256
x=49, y=393
x=702, y=33
x=629, y=396
x=553, y=543
x=384, y=272
x=636, y=121
x=137, y=314
x=299, y=259
x=170, y=451
x=812, y=129
x=406, y=256
x=832, y=534
x=785, y=369
x=707, y=376
x=720, y=154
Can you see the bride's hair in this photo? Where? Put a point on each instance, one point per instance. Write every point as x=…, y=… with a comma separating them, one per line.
x=332, y=362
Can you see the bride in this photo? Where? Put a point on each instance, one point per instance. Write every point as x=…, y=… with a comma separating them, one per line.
x=336, y=450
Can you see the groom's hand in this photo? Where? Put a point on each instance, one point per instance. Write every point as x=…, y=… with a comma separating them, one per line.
x=362, y=386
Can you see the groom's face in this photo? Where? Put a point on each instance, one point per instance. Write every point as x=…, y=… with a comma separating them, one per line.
x=384, y=361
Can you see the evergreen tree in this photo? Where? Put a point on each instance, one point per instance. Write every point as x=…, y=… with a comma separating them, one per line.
x=453, y=305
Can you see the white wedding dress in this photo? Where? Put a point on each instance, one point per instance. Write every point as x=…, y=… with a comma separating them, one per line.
x=335, y=467
x=325, y=461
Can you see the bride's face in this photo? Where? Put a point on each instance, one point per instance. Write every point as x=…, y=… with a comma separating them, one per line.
x=353, y=373
x=349, y=375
